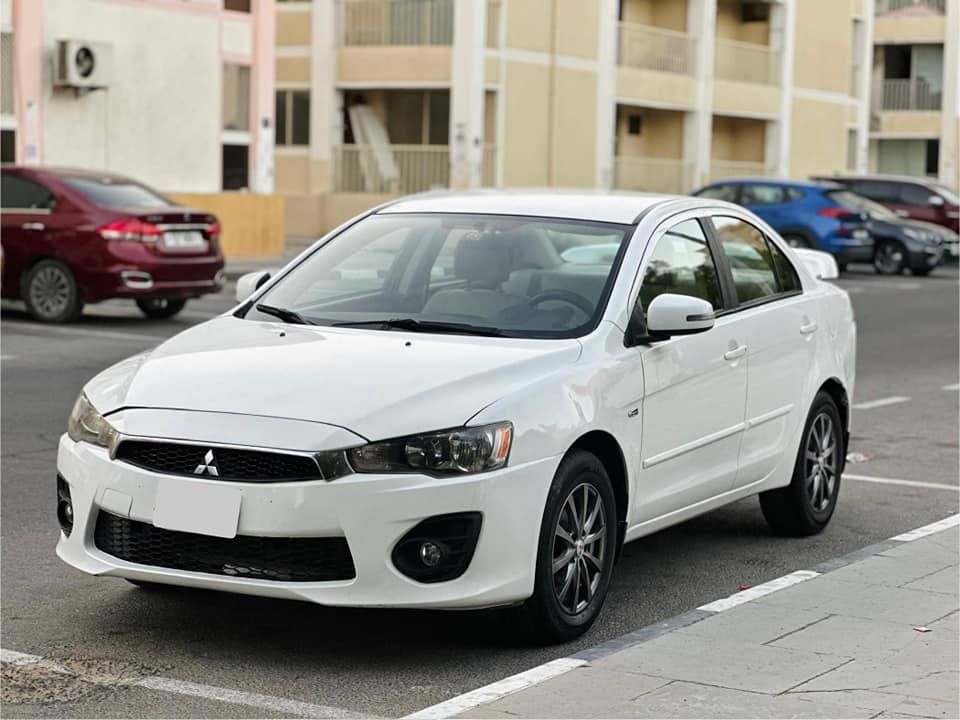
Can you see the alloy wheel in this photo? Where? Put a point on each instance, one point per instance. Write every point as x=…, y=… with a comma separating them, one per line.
x=821, y=462
x=889, y=259
x=579, y=549
x=50, y=291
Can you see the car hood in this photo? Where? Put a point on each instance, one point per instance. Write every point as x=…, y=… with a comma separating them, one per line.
x=375, y=383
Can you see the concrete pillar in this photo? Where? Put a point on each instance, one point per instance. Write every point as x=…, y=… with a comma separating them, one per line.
x=950, y=114
x=782, y=37
x=467, y=94
x=698, y=125
x=606, y=93
x=262, y=105
x=863, y=90
x=325, y=119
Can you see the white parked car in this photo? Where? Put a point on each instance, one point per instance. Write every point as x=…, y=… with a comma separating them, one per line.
x=443, y=405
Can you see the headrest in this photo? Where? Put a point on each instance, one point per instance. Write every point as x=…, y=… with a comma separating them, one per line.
x=482, y=260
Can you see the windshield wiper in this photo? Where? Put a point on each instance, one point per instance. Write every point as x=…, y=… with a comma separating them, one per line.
x=288, y=316
x=426, y=326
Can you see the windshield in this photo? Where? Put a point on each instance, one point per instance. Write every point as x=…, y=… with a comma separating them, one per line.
x=476, y=274
x=111, y=192
x=852, y=201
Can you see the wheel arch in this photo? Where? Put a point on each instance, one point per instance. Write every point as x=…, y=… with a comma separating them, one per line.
x=607, y=450
x=838, y=393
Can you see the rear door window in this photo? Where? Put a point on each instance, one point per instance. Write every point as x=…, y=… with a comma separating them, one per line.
x=762, y=195
x=18, y=194
x=749, y=257
x=883, y=192
x=915, y=195
x=720, y=192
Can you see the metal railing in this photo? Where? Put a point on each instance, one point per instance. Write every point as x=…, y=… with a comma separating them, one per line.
x=720, y=169
x=653, y=48
x=747, y=62
x=900, y=95
x=883, y=7
x=400, y=169
x=396, y=22
x=647, y=174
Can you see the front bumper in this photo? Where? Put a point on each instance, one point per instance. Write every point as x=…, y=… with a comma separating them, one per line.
x=371, y=511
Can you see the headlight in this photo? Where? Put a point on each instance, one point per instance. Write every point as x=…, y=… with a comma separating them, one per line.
x=87, y=425
x=920, y=235
x=451, y=452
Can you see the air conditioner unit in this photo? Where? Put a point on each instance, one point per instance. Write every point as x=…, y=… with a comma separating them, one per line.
x=82, y=64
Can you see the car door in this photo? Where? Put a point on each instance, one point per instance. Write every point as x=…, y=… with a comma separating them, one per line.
x=915, y=201
x=778, y=323
x=25, y=210
x=694, y=385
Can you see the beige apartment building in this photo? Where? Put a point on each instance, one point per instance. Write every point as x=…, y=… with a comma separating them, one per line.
x=376, y=98
x=915, y=90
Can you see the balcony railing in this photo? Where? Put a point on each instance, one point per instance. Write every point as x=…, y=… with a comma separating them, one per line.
x=396, y=22
x=400, y=169
x=747, y=62
x=905, y=95
x=888, y=6
x=720, y=169
x=653, y=48
x=646, y=174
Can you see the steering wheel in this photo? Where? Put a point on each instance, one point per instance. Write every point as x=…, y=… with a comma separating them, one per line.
x=567, y=296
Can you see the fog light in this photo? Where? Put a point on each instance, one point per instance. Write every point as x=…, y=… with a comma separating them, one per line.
x=64, y=506
x=430, y=554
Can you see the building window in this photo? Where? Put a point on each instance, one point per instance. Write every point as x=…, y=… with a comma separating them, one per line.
x=236, y=97
x=292, y=117
x=851, y=150
x=933, y=157
x=235, y=169
x=237, y=5
x=6, y=68
x=8, y=146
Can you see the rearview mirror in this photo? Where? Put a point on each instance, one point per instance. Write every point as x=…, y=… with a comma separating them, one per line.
x=821, y=265
x=248, y=284
x=671, y=314
x=935, y=201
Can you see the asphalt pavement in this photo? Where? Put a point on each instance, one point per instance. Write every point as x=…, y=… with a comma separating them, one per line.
x=335, y=663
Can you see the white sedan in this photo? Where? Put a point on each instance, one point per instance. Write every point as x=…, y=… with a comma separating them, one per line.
x=445, y=404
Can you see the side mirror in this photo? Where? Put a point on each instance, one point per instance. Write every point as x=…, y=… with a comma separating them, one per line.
x=935, y=201
x=821, y=265
x=248, y=284
x=671, y=314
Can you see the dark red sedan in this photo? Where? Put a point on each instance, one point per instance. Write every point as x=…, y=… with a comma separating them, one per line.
x=72, y=237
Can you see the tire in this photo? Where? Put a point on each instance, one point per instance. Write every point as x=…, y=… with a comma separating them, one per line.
x=556, y=612
x=50, y=292
x=160, y=308
x=797, y=241
x=805, y=506
x=890, y=258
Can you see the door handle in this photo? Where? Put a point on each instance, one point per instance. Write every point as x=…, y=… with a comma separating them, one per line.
x=32, y=226
x=735, y=353
x=808, y=328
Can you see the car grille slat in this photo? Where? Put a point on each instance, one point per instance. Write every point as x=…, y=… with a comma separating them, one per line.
x=307, y=559
x=229, y=463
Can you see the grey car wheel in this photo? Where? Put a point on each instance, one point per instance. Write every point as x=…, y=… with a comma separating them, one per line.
x=50, y=292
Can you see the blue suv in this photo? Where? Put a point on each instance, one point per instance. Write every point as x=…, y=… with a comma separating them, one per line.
x=804, y=213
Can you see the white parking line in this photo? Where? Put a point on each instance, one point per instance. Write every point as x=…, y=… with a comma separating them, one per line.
x=955, y=386
x=495, y=691
x=930, y=529
x=759, y=591
x=881, y=402
x=282, y=706
x=898, y=481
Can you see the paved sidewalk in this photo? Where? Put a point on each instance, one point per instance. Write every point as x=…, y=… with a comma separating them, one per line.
x=847, y=643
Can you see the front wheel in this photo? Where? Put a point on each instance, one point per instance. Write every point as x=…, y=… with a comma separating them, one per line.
x=576, y=551
x=805, y=506
x=160, y=307
x=890, y=258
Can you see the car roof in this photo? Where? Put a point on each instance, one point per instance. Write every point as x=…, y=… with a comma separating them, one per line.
x=884, y=178
x=64, y=172
x=600, y=206
x=808, y=184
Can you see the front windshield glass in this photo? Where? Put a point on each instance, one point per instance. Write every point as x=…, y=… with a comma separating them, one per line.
x=948, y=194
x=482, y=274
x=852, y=201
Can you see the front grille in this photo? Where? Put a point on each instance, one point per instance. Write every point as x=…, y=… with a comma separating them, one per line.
x=310, y=559
x=217, y=462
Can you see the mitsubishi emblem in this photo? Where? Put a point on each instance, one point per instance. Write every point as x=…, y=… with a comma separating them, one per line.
x=208, y=466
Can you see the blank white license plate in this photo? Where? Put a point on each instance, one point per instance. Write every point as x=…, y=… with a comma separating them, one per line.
x=202, y=508
x=184, y=240
x=861, y=234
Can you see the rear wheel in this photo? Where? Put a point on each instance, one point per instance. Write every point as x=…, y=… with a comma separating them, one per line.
x=805, y=506
x=576, y=550
x=797, y=241
x=890, y=257
x=50, y=292
x=161, y=307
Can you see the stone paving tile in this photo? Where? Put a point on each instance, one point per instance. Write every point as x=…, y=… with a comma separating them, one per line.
x=830, y=595
x=923, y=707
x=731, y=664
x=862, y=699
x=945, y=581
x=753, y=623
x=929, y=549
x=887, y=677
x=889, y=571
x=851, y=637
